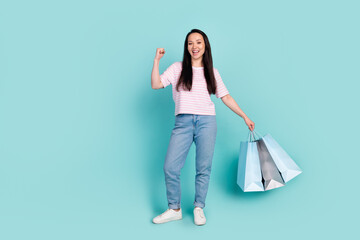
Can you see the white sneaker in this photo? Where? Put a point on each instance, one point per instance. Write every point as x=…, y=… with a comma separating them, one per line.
x=199, y=216
x=167, y=216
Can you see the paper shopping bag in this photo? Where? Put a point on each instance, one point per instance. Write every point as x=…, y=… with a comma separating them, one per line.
x=249, y=173
x=283, y=161
x=270, y=173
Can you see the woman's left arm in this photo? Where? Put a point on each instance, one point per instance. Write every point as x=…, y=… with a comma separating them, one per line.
x=230, y=103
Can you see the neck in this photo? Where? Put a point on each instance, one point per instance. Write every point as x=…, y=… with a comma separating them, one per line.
x=197, y=62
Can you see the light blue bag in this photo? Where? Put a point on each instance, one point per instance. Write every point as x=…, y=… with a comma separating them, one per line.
x=283, y=161
x=249, y=176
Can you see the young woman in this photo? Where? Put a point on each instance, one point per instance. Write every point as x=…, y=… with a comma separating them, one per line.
x=193, y=81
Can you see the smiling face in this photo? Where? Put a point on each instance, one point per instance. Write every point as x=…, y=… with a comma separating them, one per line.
x=196, y=46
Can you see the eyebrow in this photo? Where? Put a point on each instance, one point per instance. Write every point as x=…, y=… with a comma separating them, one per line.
x=196, y=40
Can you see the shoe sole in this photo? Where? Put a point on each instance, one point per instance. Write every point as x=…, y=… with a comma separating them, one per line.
x=168, y=220
x=200, y=224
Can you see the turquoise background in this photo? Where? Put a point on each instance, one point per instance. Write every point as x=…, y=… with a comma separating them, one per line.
x=83, y=136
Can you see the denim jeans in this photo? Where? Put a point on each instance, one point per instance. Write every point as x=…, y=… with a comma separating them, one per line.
x=190, y=128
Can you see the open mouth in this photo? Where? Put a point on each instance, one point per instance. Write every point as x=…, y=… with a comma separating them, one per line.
x=195, y=52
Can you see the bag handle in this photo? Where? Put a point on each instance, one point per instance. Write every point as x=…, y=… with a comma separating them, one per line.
x=250, y=137
x=257, y=134
x=253, y=136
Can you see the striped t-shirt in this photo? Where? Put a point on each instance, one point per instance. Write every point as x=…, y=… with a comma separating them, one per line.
x=196, y=101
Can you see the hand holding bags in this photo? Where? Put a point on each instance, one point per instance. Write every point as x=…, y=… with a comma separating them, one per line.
x=264, y=165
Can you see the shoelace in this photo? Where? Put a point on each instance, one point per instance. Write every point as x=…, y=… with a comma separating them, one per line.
x=201, y=213
x=161, y=215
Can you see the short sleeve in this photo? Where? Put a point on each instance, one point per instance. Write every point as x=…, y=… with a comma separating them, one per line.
x=168, y=76
x=221, y=89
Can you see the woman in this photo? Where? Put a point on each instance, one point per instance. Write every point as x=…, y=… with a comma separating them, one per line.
x=193, y=81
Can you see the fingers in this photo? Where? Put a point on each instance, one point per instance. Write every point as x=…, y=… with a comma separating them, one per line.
x=161, y=50
x=159, y=53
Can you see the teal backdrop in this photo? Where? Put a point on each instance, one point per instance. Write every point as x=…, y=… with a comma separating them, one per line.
x=83, y=136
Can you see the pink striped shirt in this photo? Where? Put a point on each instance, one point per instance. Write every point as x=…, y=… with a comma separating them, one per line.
x=196, y=101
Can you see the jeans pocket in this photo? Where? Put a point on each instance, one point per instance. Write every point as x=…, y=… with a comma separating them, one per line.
x=181, y=119
x=181, y=115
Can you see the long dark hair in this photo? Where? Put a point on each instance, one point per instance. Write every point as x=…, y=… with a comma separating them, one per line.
x=186, y=74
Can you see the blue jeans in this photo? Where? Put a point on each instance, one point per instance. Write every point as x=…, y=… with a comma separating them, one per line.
x=190, y=128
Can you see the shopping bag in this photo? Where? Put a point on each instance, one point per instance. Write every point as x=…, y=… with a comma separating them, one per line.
x=249, y=176
x=270, y=173
x=283, y=161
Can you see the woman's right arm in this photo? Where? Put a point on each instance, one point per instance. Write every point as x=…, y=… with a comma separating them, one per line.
x=155, y=75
